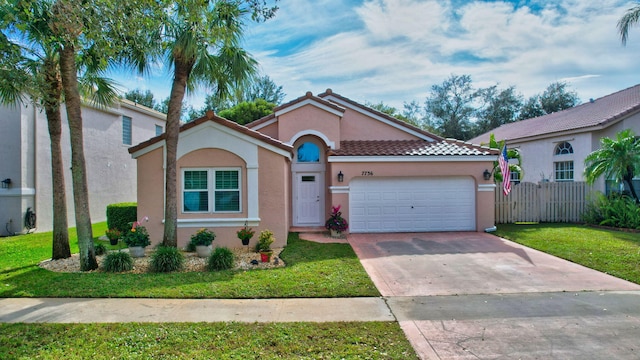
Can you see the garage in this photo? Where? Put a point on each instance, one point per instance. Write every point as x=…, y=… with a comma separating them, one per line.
x=412, y=204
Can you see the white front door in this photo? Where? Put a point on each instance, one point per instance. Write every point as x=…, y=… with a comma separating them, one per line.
x=309, y=200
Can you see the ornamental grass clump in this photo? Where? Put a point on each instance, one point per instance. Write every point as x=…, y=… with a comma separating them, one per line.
x=166, y=259
x=100, y=249
x=117, y=262
x=221, y=259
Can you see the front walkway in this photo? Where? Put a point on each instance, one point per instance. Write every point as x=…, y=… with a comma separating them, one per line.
x=65, y=310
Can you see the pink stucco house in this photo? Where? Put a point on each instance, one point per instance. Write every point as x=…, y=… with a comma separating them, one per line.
x=286, y=170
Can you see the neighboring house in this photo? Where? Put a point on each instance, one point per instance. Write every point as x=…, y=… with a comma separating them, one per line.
x=287, y=170
x=553, y=147
x=25, y=158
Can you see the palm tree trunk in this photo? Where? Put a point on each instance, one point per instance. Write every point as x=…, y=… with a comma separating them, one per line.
x=629, y=180
x=69, y=75
x=53, y=94
x=181, y=75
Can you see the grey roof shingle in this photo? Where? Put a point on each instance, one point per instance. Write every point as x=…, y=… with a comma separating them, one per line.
x=448, y=147
x=599, y=112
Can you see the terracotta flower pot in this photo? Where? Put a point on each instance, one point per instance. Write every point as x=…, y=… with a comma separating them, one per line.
x=265, y=256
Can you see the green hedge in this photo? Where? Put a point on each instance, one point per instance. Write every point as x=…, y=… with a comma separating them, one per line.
x=120, y=216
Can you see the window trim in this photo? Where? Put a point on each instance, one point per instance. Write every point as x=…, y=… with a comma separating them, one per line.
x=559, y=151
x=128, y=127
x=211, y=190
x=565, y=171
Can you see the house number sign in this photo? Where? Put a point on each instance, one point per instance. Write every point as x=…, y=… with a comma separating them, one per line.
x=367, y=173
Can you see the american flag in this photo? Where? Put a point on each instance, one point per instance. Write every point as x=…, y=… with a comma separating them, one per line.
x=503, y=160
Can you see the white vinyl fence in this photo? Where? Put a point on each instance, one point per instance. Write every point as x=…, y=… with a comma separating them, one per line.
x=543, y=202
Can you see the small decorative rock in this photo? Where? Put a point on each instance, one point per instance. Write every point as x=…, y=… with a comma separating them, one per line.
x=255, y=262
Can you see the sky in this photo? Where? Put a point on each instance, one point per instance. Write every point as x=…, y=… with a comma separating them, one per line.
x=394, y=51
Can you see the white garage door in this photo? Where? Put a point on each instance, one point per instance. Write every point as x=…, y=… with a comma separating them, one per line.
x=412, y=204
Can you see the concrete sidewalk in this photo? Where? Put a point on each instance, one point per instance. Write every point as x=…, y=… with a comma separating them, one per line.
x=67, y=310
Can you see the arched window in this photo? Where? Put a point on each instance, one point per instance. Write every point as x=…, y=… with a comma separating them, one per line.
x=309, y=152
x=563, y=148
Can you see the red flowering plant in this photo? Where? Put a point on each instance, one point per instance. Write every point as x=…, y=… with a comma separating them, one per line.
x=336, y=222
x=137, y=235
x=246, y=233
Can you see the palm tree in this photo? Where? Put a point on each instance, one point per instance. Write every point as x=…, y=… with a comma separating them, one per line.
x=616, y=159
x=200, y=39
x=629, y=19
x=37, y=59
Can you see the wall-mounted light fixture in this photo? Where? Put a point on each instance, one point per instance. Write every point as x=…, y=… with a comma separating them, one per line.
x=340, y=177
x=6, y=183
x=486, y=174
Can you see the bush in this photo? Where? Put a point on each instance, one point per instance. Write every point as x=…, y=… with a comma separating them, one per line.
x=121, y=215
x=118, y=262
x=221, y=259
x=100, y=249
x=616, y=210
x=166, y=259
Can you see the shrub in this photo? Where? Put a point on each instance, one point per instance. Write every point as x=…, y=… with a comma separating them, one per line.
x=221, y=259
x=265, y=240
x=203, y=237
x=100, y=249
x=336, y=222
x=616, y=210
x=121, y=215
x=117, y=262
x=166, y=259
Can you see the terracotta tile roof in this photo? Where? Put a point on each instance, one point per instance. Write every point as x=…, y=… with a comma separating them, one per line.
x=447, y=147
x=601, y=112
x=210, y=116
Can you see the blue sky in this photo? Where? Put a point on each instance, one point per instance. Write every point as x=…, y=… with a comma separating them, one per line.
x=395, y=50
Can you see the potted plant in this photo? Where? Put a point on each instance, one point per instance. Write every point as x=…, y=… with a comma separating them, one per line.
x=137, y=238
x=113, y=235
x=336, y=223
x=245, y=234
x=264, y=245
x=202, y=240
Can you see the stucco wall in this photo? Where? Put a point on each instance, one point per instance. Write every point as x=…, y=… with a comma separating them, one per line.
x=301, y=120
x=357, y=126
x=111, y=172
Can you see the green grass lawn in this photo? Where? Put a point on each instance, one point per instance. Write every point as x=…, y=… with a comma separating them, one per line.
x=613, y=252
x=313, y=270
x=366, y=340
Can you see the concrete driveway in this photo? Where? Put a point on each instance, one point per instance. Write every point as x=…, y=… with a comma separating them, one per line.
x=477, y=296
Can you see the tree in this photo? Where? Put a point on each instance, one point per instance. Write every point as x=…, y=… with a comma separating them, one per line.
x=87, y=36
x=248, y=111
x=201, y=42
x=500, y=108
x=629, y=19
x=31, y=64
x=257, y=87
x=142, y=98
x=617, y=159
x=556, y=97
x=451, y=106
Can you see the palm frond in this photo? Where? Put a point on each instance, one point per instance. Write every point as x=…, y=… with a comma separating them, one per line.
x=629, y=19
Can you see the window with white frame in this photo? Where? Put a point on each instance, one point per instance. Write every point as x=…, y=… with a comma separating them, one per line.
x=213, y=190
x=563, y=170
x=159, y=130
x=515, y=177
x=126, y=130
x=563, y=148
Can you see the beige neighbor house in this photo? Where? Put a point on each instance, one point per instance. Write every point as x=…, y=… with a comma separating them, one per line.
x=287, y=170
x=25, y=158
x=553, y=147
